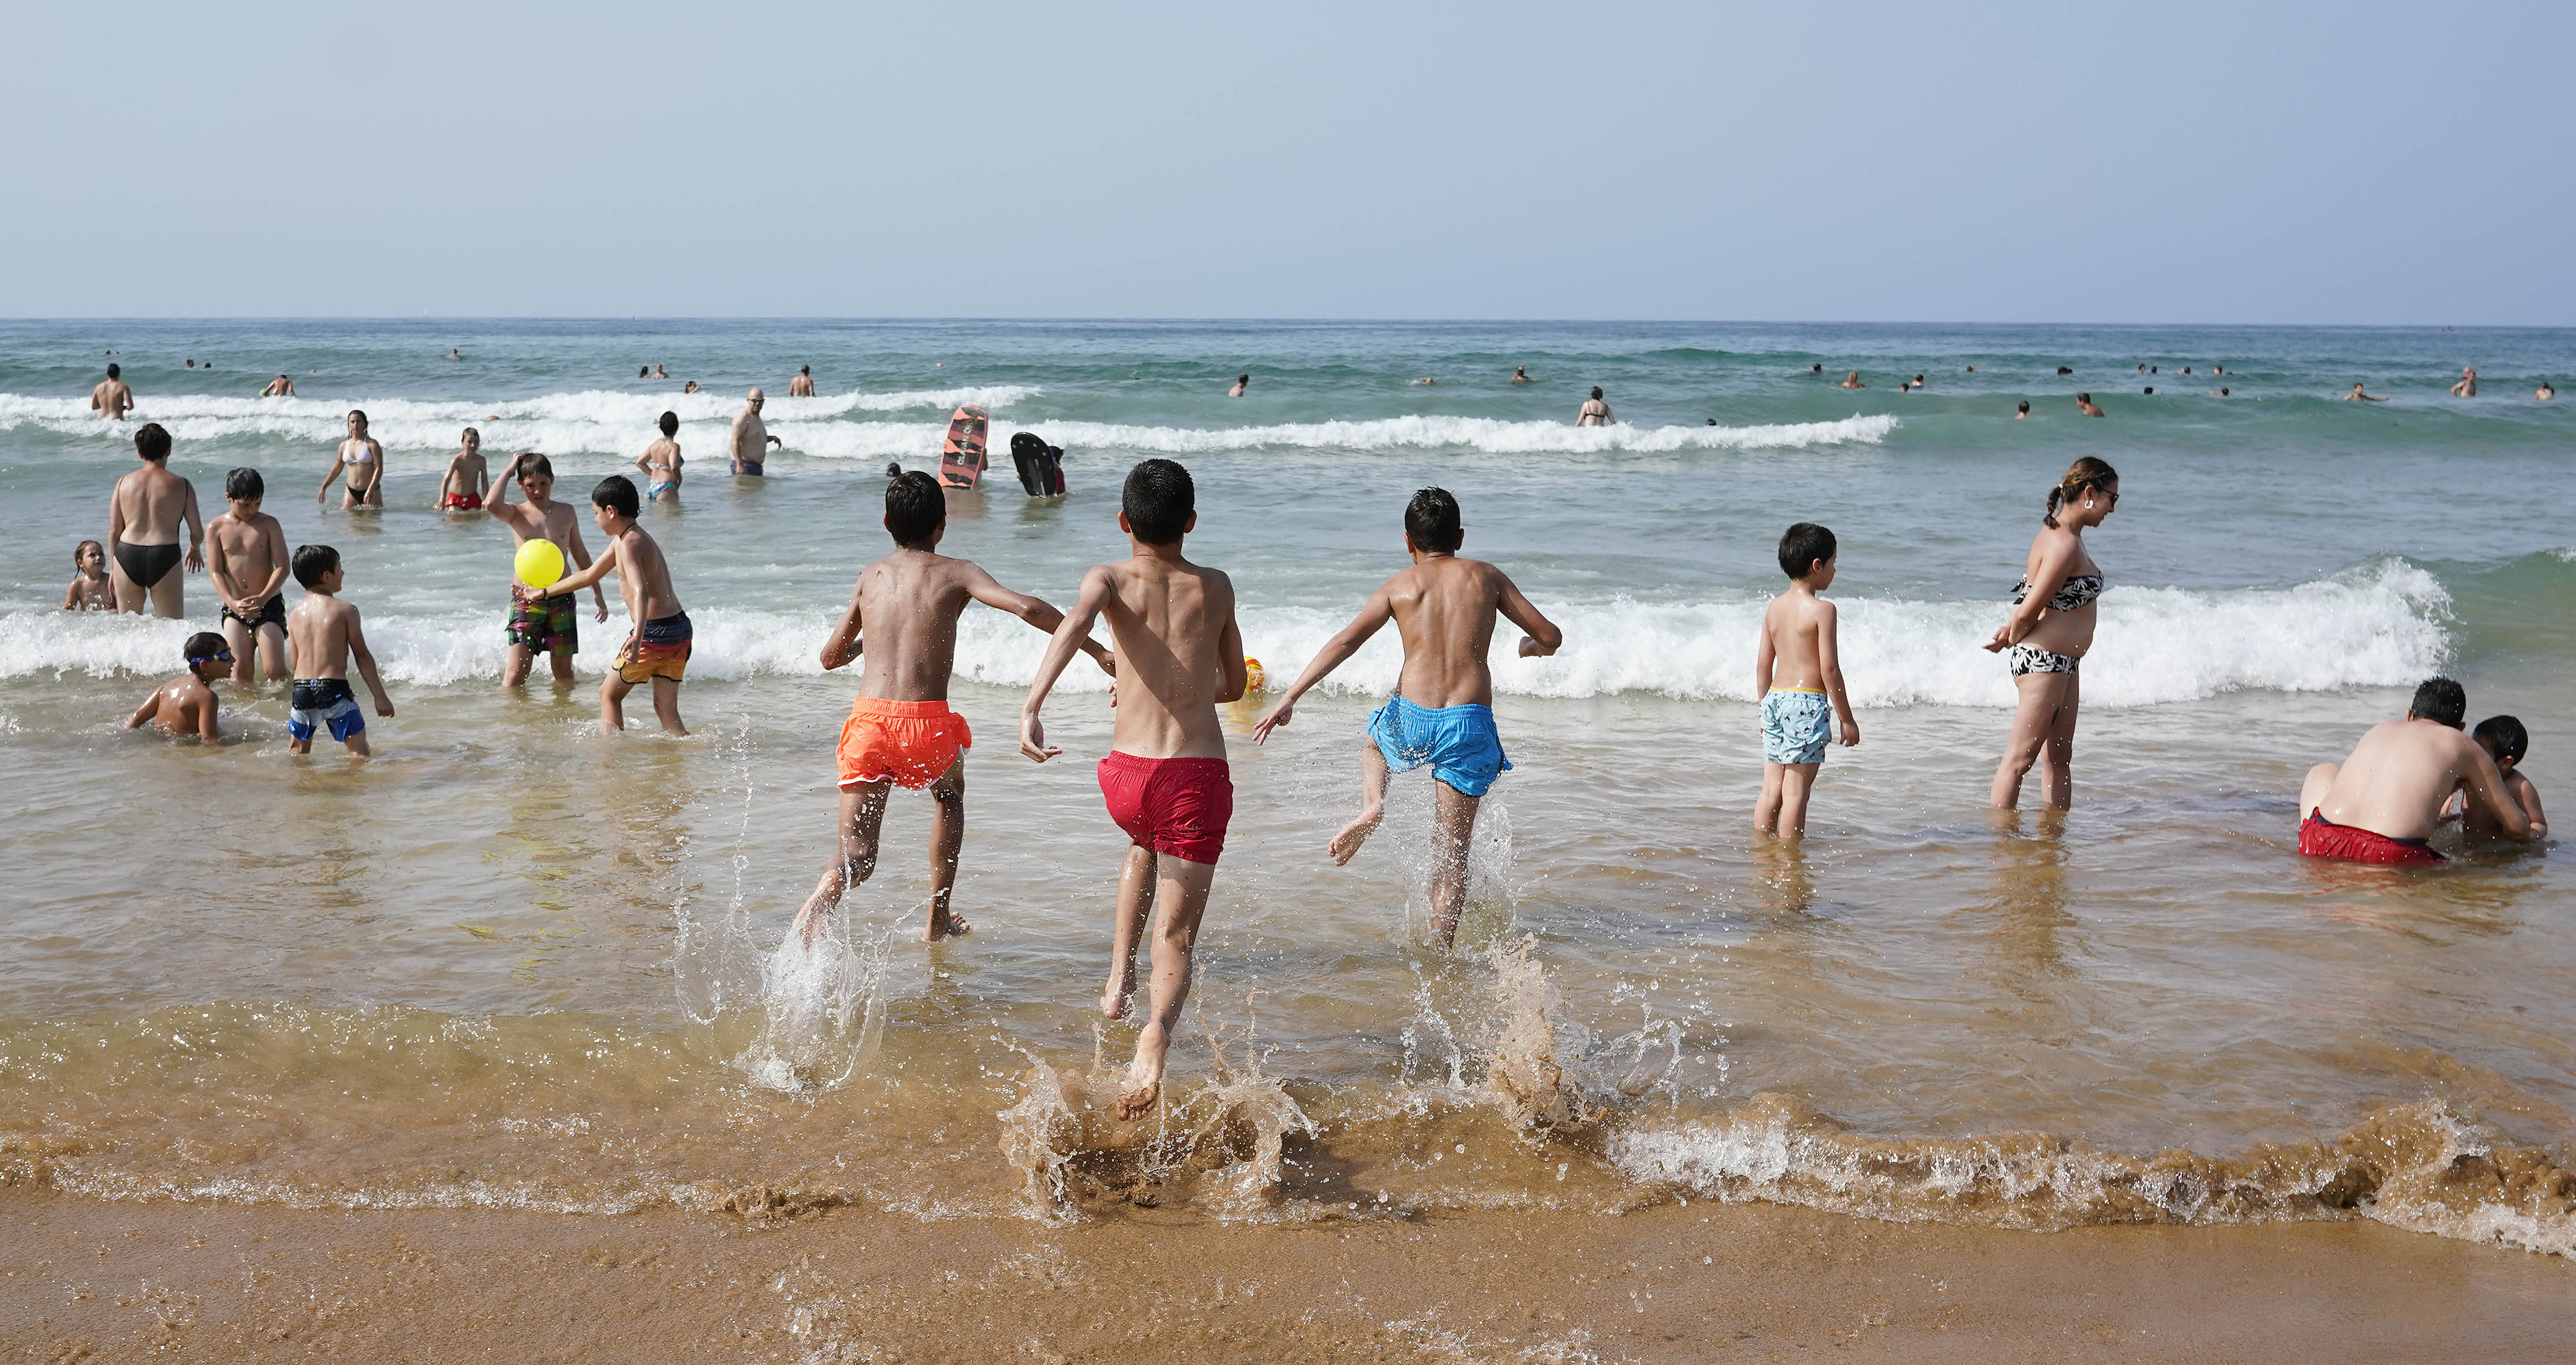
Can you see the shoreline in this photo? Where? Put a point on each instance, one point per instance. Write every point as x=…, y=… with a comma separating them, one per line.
x=83, y=1279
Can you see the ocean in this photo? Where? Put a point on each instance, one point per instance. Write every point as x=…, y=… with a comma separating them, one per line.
x=511, y=962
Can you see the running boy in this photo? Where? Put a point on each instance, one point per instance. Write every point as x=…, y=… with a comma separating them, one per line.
x=91, y=589
x=2505, y=741
x=1442, y=712
x=1798, y=673
x=246, y=561
x=323, y=632
x=660, y=463
x=462, y=487
x=657, y=643
x=900, y=731
x=540, y=620
x=1165, y=778
x=186, y=704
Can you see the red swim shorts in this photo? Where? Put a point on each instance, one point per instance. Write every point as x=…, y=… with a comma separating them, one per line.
x=2320, y=837
x=912, y=742
x=1178, y=806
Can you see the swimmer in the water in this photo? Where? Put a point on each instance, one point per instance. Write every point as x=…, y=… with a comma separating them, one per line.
x=1595, y=413
x=280, y=387
x=802, y=386
x=1817, y=368
x=2545, y=392
x=2357, y=396
x=186, y=704
x=660, y=373
x=1426, y=379
x=1520, y=374
x=2022, y=411
x=2468, y=385
x=1852, y=381
x=1241, y=382
x=2084, y=404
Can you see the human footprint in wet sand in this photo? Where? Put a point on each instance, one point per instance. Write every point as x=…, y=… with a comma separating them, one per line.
x=1442, y=712
x=900, y=731
x=1165, y=778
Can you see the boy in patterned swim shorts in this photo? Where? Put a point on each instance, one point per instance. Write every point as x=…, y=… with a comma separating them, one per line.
x=540, y=622
x=658, y=649
x=1165, y=779
x=1798, y=673
x=900, y=732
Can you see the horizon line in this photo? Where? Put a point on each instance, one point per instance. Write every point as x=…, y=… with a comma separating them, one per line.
x=1300, y=321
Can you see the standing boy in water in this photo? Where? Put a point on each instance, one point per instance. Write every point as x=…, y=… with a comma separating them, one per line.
x=1798, y=674
x=540, y=620
x=463, y=487
x=1165, y=778
x=1442, y=712
x=657, y=645
x=322, y=632
x=186, y=704
x=246, y=562
x=900, y=731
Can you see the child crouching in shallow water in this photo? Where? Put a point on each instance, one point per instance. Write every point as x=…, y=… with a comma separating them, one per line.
x=186, y=704
x=91, y=589
x=321, y=634
x=1798, y=673
x=2505, y=741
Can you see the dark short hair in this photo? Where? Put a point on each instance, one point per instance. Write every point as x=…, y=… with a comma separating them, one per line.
x=359, y=413
x=1596, y=390
x=2441, y=699
x=313, y=561
x=1431, y=521
x=534, y=466
x=2083, y=398
x=1802, y=545
x=111, y=369
x=915, y=507
x=617, y=494
x=2506, y=734
x=151, y=442
x=203, y=647
x=670, y=424
x=1158, y=500
x=245, y=482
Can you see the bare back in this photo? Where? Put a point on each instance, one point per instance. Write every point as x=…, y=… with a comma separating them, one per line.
x=1444, y=608
x=317, y=636
x=153, y=501
x=112, y=399
x=1174, y=625
x=909, y=603
x=1794, y=627
x=2400, y=775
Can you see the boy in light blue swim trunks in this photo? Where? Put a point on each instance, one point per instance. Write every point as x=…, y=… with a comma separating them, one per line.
x=1442, y=713
x=1797, y=670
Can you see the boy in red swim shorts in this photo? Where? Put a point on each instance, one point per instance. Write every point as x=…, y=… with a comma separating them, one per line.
x=1165, y=778
x=900, y=732
x=2381, y=805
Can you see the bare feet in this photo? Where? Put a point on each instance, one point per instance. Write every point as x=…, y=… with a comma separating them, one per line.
x=1144, y=1087
x=1347, y=843
x=1113, y=1001
x=946, y=926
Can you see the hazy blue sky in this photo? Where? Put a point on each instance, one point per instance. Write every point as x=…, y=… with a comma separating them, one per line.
x=2354, y=162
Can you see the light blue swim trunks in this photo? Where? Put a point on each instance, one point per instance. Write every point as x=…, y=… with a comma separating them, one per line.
x=1459, y=742
x=1796, y=726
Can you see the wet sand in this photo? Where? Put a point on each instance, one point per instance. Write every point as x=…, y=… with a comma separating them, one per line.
x=85, y=1280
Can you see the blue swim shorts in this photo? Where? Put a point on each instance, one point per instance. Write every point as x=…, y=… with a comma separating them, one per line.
x=326, y=704
x=1796, y=726
x=1459, y=742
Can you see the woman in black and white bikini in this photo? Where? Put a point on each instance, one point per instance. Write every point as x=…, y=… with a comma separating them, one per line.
x=2049, y=631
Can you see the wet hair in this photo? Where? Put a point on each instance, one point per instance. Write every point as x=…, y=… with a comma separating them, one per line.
x=84, y=548
x=2088, y=473
x=804, y=369
x=151, y=442
x=1431, y=521
x=617, y=494
x=1596, y=390
x=1244, y=378
x=2222, y=391
x=470, y=434
x=313, y=561
x=2151, y=388
x=1158, y=500
x=2083, y=398
x=2066, y=369
x=245, y=482
x=360, y=414
x=643, y=371
x=2442, y=700
x=204, y=647
x=915, y=507
x=2506, y=735
x=111, y=369
x=1802, y=545
x=534, y=466
x=2025, y=406
x=670, y=424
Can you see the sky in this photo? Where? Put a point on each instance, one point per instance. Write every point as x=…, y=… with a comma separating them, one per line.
x=2356, y=163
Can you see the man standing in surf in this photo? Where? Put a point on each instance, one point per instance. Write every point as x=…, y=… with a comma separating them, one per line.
x=1165, y=778
x=900, y=731
x=751, y=438
x=1442, y=712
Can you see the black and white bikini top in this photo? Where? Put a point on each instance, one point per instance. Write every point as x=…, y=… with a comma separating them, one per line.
x=2077, y=590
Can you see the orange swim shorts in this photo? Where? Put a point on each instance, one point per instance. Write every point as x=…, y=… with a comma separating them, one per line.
x=912, y=742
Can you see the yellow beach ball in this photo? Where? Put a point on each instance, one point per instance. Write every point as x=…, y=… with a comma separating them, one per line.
x=540, y=563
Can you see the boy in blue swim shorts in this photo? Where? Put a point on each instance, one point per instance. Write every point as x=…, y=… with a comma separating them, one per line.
x=322, y=637
x=1442, y=713
x=1797, y=670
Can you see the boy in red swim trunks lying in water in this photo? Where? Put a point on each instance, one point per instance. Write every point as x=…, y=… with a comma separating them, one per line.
x=2383, y=803
x=900, y=731
x=1165, y=778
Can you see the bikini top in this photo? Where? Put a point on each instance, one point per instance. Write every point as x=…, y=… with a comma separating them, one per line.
x=364, y=455
x=2077, y=590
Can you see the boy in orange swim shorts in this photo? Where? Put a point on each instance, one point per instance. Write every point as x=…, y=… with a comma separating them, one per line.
x=1165, y=779
x=900, y=732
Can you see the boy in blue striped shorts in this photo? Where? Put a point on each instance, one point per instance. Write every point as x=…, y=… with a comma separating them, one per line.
x=1798, y=673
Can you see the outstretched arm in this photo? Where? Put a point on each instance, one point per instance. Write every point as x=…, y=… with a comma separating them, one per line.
x=581, y=559
x=589, y=574
x=1037, y=611
x=1543, y=638
x=1069, y=634
x=843, y=643
x=1374, y=614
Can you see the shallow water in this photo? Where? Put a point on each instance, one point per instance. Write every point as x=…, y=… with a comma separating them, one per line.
x=511, y=961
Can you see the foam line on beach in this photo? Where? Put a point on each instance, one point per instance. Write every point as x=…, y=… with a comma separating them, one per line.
x=2381, y=624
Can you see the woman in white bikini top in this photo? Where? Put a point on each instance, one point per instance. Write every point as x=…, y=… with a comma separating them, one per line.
x=360, y=459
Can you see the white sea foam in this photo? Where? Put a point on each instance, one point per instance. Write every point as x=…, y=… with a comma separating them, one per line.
x=2381, y=624
x=893, y=440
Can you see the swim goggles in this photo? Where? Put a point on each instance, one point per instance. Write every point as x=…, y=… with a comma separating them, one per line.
x=221, y=656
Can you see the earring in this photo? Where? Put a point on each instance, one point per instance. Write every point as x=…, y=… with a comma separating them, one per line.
x=2088, y=504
